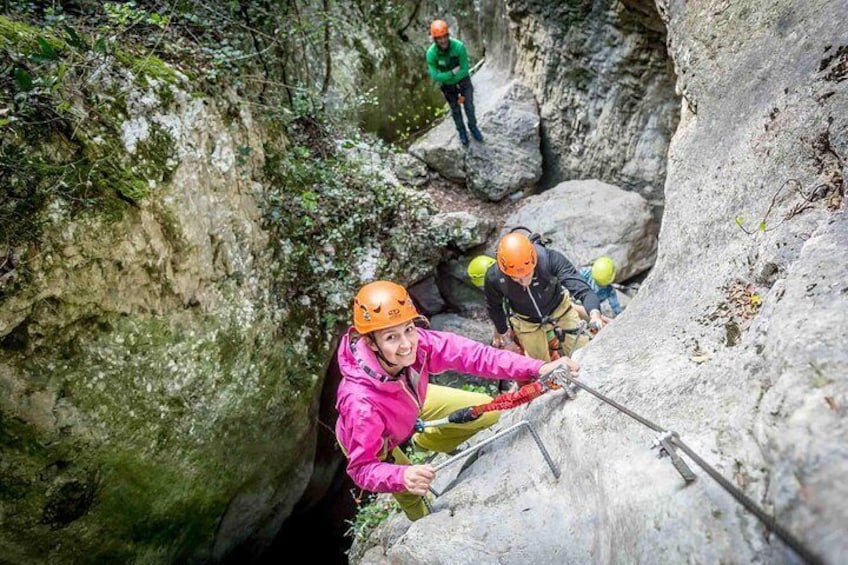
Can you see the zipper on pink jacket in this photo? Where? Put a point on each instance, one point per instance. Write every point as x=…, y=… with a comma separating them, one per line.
x=408, y=387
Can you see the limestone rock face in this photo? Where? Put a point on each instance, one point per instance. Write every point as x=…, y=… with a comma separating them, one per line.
x=160, y=364
x=735, y=340
x=463, y=230
x=133, y=355
x=509, y=158
x=478, y=330
x=586, y=219
x=605, y=86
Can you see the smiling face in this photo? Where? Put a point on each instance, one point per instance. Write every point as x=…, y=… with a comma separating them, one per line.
x=443, y=41
x=398, y=344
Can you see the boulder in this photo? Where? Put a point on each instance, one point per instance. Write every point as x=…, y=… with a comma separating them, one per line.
x=409, y=170
x=478, y=330
x=588, y=218
x=426, y=296
x=463, y=229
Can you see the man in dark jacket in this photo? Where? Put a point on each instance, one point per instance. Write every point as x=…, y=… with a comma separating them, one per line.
x=531, y=290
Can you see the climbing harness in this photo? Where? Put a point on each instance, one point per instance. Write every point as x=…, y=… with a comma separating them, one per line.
x=556, y=336
x=667, y=442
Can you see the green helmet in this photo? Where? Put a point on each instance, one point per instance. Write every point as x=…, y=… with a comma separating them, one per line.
x=477, y=269
x=603, y=270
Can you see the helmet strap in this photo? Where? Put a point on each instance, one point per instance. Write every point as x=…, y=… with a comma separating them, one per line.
x=380, y=355
x=383, y=357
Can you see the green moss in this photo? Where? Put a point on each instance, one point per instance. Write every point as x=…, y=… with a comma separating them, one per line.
x=167, y=509
x=175, y=420
x=57, y=509
x=41, y=489
x=148, y=67
x=14, y=33
x=155, y=158
x=61, y=146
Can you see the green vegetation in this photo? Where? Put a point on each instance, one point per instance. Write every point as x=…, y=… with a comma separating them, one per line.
x=371, y=514
x=490, y=389
x=330, y=216
x=62, y=108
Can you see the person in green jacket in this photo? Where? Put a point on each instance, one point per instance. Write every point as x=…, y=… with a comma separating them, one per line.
x=447, y=62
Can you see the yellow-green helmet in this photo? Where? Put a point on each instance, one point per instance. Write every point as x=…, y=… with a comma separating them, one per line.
x=603, y=270
x=477, y=269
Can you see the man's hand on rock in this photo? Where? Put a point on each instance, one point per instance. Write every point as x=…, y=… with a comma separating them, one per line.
x=596, y=321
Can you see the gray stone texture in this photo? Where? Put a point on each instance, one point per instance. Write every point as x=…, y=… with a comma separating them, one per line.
x=463, y=230
x=601, y=74
x=587, y=218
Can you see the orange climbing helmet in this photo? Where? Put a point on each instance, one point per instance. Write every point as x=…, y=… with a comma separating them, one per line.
x=382, y=304
x=516, y=255
x=439, y=28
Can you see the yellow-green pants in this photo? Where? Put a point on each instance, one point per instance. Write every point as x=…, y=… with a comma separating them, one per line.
x=441, y=401
x=533, y=336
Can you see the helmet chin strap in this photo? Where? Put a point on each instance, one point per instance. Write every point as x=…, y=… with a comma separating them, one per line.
x=380, y=354
x=383, y=357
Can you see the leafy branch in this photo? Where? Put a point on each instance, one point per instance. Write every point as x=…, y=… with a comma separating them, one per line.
x=807, y=199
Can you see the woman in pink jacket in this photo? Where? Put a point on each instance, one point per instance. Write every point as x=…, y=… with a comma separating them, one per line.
x=386, y=362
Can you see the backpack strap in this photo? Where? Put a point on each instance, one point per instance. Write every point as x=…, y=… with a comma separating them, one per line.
x=533, y=236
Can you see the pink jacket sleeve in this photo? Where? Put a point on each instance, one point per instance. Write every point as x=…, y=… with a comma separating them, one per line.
x=449, y=351
x=364, y=446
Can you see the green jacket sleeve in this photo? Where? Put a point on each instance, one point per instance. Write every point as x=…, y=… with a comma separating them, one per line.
x=434, y=72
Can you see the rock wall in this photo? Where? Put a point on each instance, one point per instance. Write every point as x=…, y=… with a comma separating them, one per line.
x=736, y=339
x=163, y=337
x=605, y=85
x=143, y=365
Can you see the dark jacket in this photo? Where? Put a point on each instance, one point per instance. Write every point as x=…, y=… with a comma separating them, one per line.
x=553, y=272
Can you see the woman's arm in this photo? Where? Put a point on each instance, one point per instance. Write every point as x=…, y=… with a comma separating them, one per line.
x=449, y=351
x=363, y=446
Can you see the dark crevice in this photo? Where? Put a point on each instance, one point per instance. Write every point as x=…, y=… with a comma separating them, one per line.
x=327, y=503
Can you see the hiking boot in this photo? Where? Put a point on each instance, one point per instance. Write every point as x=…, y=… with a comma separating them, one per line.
x=475, y=133
x=463, y=138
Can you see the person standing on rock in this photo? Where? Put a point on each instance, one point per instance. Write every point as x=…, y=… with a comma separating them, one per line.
x=532, y=289
x=386, y=361
x=447, y=62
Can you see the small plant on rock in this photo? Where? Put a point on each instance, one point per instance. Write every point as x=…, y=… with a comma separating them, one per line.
x=369, y=515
